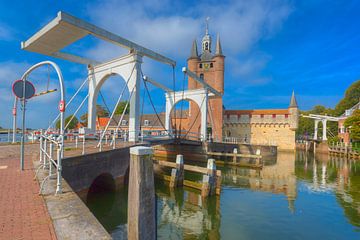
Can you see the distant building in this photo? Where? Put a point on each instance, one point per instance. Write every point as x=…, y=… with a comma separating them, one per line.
x=264, y=126
x=343, y=132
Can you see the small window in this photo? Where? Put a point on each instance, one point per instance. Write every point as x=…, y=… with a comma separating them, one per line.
x=211, y=65
x=146, y=122
x=262, y=115
x=123, y=122
x=250, y=116
x=202, y=76
x=200, y=65
x=286, y=115
x=274, y=115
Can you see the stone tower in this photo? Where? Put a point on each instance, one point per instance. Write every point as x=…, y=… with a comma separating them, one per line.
x=210, y=67
x=294, y=113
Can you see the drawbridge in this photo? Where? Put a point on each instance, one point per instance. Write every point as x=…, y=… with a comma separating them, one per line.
x=53, y=40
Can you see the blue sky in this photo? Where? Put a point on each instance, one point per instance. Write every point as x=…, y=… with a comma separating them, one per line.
x=271, y=48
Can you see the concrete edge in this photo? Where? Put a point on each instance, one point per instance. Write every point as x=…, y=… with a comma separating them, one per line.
x=71, y=218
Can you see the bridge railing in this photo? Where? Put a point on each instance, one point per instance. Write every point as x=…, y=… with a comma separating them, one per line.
x=48, y=144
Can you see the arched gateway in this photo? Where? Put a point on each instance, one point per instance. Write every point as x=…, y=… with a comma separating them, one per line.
x=128, y=67
x=199, y=96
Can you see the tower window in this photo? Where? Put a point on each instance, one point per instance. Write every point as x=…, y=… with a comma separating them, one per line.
x=200, y=65
x=211, y=65
x=202, y=76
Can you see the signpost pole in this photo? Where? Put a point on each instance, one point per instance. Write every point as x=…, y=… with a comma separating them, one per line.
x=23, y=126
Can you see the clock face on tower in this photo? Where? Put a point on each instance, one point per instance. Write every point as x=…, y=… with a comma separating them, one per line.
x=206, y=66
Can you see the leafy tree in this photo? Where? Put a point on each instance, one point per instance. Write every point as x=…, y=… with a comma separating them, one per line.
x=100, y=112
x=351, y=97
x=120, y=108
x=72, y=124
x=353, y=122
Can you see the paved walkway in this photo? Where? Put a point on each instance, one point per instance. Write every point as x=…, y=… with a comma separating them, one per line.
x=23, y=214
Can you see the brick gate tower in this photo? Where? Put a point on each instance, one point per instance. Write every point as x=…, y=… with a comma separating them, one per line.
x=210, y=67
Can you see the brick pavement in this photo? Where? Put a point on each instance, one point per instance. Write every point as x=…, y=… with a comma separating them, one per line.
x=23, y=213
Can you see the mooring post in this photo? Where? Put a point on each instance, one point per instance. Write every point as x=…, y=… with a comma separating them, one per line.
x=258, y=154
x=209, y=179
x=235, y=151
x=141, y=197
x=177, y=174
x=76, y=141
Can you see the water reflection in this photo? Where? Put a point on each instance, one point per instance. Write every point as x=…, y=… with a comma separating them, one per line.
x=294, y=196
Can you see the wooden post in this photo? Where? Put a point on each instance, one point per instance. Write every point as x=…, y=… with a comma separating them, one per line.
x=209, y=179
x=235, y=151
x=177, y=174
x=141, y=197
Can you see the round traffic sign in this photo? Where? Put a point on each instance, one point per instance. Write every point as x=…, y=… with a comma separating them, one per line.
x=18, y=89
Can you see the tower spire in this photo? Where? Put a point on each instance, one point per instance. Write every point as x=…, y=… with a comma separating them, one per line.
x=293, y=102
x=218, y=50
x=194, y=50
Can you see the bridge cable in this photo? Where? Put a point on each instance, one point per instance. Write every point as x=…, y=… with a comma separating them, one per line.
x=197, y=115
x=106, y=106
x=117, y=103
x=182, y=103
x=173, y=75
x=68, y=103
x=152, y=104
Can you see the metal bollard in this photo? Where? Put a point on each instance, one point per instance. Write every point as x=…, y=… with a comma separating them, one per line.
x=83, y=146
x=51, y=157
x=41, y=149
x=58, y=181
x=45, y=151
x=114, y=141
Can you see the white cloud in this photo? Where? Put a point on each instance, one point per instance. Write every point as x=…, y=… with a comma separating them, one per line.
x=6, y=33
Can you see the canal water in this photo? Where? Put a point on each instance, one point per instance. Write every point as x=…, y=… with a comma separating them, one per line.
x=294, y=196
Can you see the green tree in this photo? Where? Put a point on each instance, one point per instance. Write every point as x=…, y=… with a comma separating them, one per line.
x=351, y=97
x=100, y=112
x=72, y=124
x=120, y=108
x=353, y=123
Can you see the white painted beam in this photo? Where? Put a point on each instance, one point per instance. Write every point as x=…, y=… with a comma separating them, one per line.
x=73, y=58
x=159, y=85
x=201, y=81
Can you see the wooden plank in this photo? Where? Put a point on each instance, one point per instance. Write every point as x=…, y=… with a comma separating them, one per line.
x=249, y=165
x=234, y=155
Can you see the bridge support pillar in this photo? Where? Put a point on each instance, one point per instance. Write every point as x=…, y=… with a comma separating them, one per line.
x=316, y=129
x=324, y=135
x=209, y=179
x=141, y=197
x=177, y=174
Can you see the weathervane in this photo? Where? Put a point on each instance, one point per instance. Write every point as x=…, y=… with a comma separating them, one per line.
x=207, y=25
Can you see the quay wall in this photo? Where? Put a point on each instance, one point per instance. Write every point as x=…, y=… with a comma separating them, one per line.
x=81, y=171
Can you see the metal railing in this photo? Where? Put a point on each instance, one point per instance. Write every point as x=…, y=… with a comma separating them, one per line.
x=48, y=162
